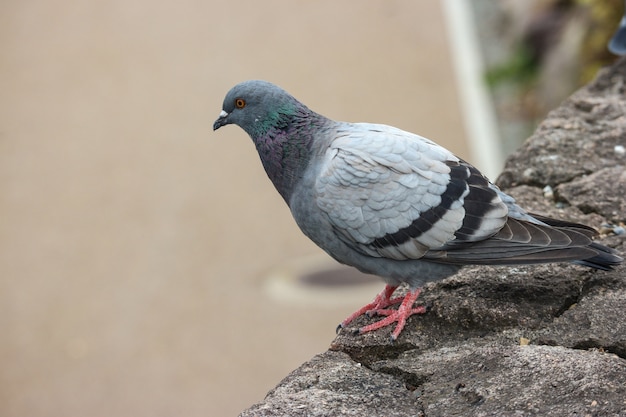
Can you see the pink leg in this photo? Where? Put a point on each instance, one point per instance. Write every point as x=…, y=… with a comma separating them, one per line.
x=381, y=301
x=400, y=315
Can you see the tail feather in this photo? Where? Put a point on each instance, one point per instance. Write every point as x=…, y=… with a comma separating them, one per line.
x=523, y=242
x=606, y=258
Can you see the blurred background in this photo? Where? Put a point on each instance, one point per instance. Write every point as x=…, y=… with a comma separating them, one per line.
x=147, y=265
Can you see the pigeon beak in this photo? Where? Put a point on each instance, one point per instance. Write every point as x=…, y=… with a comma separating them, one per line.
x=221, y=121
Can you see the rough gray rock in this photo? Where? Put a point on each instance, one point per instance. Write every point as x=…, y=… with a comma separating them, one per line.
x=547, y=340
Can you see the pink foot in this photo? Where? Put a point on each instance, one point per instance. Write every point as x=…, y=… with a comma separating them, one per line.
x=378, y=306
x=381, y=301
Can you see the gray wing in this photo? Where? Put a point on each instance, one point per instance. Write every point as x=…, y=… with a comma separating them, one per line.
x=392, y=194
x=389, y=193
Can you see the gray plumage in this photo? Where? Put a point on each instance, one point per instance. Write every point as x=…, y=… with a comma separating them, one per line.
x=393, y=203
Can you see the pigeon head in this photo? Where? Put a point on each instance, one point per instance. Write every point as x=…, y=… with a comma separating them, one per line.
x=258, y=107
x=282, y=129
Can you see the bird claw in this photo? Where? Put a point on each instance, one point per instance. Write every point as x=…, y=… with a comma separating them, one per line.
x=379, y=307
x=392, y=316
x=382, y=300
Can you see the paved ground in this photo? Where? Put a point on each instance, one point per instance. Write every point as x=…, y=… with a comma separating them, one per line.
x=136, y=244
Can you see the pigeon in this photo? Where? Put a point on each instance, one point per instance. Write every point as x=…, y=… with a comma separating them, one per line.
x=617, y=44
x=393, y=203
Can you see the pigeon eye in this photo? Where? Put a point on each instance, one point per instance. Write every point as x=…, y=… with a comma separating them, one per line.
x=240, y=103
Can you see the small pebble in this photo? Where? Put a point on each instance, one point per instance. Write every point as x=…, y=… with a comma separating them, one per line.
x=548, y=192
x=608, y=228
x=619, y=150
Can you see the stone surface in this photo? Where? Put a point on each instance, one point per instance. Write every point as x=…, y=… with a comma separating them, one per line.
x=545, y=340
x=332, y=383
